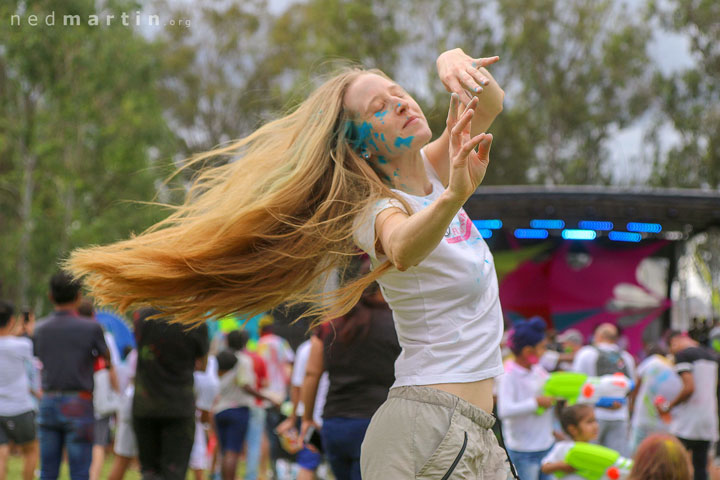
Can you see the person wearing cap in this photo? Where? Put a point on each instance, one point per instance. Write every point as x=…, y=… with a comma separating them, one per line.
x=571, y=340
x=528, y=435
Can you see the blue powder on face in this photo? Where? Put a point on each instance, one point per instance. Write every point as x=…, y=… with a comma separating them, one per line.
x=382, y=137
x=403, y=142
x=375, y=134
x=382, y=160
x=380, y=115
x=359, y=136
x=396, y=174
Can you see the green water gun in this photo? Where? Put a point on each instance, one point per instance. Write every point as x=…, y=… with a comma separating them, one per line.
x=595, y=462
x=574, y=387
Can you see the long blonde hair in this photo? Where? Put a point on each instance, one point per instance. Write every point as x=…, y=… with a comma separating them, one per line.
x=266, y=228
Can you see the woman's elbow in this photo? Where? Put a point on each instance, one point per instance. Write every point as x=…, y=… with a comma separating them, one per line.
x=497, y=105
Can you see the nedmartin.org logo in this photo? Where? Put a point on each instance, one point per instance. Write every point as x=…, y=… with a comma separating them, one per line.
x=136, y=19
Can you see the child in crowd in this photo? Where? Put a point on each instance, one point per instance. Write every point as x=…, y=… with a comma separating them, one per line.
x=579, y=423
x=528, y=431
x=232, y=412
x=661, y=457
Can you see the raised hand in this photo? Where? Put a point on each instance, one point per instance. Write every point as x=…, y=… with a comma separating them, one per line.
x=467, y=166
x=460, y=73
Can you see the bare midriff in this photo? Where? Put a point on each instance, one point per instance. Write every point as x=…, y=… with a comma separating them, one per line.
x=478, y=393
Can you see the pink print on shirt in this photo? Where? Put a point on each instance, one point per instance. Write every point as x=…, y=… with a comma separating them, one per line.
x=460, y=228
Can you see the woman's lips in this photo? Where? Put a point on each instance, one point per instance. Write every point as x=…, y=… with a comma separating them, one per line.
x=410, y=120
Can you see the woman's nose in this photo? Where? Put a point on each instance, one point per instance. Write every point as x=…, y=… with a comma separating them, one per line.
x=400, y=107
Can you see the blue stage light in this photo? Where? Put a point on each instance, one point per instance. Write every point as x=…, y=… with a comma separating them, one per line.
x=488, y=224
x=531, y=233
x=551, y=224
x=575, y=234
x=485, y=232
x=644, y=227
x=624, y=236
x=595, y=225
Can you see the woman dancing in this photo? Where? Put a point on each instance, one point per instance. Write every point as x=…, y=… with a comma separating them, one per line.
x=351, y=166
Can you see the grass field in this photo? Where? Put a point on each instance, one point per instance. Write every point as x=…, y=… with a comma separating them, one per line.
x=15, y=466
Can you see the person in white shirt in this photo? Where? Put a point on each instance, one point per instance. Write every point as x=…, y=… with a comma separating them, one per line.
x=579, y=423
x=17, y=414
x=657, y=381
x=206, y=388
x=528, y=431
x=604, y=357
x=694, y=410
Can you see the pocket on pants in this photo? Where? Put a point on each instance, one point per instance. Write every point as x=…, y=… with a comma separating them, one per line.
x=449, y=458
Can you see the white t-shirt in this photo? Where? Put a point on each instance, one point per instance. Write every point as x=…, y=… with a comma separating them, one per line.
x=697, y=418
x=557, y=454
x=15, y=354
x=586, y=362
x=523, y=429
x=447, y=308
x=658, y=377
x=206, y=388
x=298, y=376
x=231, y=393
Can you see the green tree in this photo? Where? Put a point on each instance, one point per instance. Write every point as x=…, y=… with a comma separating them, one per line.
x=81, y=128
x=689, y=100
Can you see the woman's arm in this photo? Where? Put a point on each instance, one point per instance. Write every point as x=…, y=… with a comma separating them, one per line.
x=308, y=391
x=463, y=74
x=407, y=240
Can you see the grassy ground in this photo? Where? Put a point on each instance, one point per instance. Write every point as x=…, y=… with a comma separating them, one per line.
x=15, y=466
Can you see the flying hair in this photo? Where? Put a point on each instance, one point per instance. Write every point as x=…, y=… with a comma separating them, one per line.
x=268, y=227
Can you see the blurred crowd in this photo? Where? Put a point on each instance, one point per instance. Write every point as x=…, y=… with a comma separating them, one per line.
x=220, y=403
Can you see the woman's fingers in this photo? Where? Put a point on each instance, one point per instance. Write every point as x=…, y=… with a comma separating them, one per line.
x=484, y=61
x=469, y=146
x=479, y=77
x=463, y=122
x=470, y=84
x=453, y=110
x=484, y=146
x=471, y=104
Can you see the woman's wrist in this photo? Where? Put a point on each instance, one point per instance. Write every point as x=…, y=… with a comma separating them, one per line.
x=453, y=200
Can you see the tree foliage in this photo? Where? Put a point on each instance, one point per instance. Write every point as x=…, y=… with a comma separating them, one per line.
x=689, y=100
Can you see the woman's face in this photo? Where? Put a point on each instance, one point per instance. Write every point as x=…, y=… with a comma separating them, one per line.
x=387, y=122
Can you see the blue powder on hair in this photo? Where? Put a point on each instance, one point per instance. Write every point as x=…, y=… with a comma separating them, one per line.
x=403, y=142
x=358, y=135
